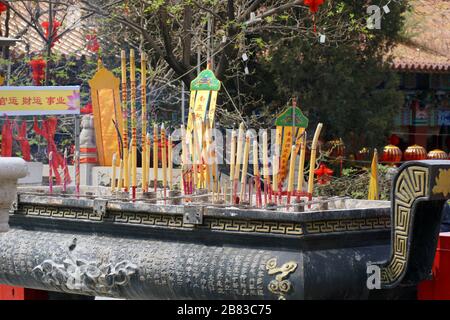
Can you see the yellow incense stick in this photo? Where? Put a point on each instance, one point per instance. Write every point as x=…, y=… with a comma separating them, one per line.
x=125, y=119
x=292, y=169
x=170, y=162
x=255, y=158
x=144, y=153
x=265, y=156
x=113, y=175
x=240, y=145
x=301, y=165
x=133, y=119
x=312, y=164
x=155, y=155
x=275, y=166
x=245, y=164
x=233, y=154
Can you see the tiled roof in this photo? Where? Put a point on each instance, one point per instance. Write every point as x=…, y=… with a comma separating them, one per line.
x=428, y=32
x=73, y=42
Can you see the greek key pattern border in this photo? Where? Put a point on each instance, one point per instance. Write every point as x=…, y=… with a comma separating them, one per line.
x=209, y=223
x=412, y=183
x=348, y=225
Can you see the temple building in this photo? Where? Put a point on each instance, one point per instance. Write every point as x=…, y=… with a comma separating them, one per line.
x=423, y=62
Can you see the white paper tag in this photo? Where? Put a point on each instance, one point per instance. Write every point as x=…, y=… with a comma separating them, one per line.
x=322, y=38
x=244, y=56
x=246, y=70
x=386, y=9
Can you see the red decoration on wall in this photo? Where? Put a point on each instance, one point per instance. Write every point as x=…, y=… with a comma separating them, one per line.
x=54, y=34
x=7, y=139
x=92, y=43
x=323, y=174
x=48, y=133
x=3, y=6
x=23, y=140
x=38, y=70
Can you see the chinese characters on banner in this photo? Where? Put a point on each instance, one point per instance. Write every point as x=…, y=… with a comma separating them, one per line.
x=27, y=101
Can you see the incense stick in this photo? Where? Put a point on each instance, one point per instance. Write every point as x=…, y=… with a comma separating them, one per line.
x=256, y=173
x=125, y=119
x=245, y=164
x=312, y=163
x=291, y=173
x=237, y=169
x=50, y=172
x=133, y=124
x=155, y=157
x=164, y=158
x=144, y=153
x=232, y=159
x=77, y=173
x=113, y=173
x=301, y=165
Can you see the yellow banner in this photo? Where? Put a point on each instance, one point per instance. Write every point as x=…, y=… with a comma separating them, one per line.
x=29, y=101
x=201, y=103
x=286, y=152
x=190, y=124
x=212, y=107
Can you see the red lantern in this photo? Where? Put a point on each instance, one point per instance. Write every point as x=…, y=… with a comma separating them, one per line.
x=394, y=140
x=323, y=174
x=415, y=152
x=55, y=26
x=38, y=70
x=314, y=7
x=92, y=43
x=3, y=6
x=391, y=154
x=437, y=154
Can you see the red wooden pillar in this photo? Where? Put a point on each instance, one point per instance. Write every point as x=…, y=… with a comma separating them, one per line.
x=17, y=293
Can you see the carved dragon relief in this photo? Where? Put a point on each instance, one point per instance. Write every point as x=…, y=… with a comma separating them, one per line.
x=87, y=277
